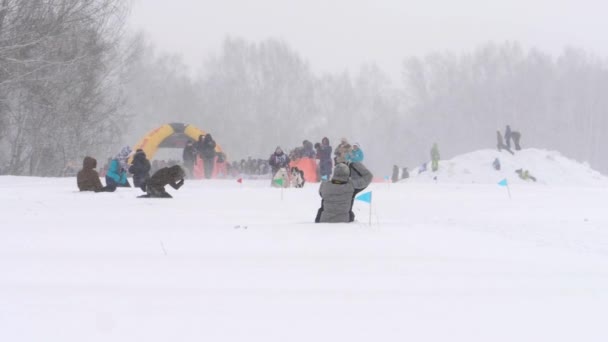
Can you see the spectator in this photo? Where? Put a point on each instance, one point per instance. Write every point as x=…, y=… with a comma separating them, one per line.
x=140, y=168
x=117, y=170
x=189, y=157
x=87, y=179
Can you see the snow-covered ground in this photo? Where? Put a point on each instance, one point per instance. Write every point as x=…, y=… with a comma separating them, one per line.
x=442, y=261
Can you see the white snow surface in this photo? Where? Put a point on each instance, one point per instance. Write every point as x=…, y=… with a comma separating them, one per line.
x=441, y=261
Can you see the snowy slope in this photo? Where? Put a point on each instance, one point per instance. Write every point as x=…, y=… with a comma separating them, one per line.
x=225, y=262
x=549, y=167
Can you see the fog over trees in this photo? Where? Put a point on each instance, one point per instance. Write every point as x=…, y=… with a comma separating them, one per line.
x=74, y=83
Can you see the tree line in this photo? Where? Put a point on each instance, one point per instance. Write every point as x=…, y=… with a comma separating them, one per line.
x=74, y=82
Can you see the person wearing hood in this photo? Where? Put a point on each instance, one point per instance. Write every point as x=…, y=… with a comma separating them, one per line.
x=278, y=160
x=117, y=170
x=338, y=194
x=87, y=179
x=355, y=155
x=140, y=168
x=173, y=176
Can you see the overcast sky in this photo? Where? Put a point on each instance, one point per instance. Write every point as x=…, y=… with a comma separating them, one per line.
x=337, y=35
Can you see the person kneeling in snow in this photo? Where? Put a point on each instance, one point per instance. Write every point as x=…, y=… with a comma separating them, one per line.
x=88, y=179
x=339, y=194
x=173, y=176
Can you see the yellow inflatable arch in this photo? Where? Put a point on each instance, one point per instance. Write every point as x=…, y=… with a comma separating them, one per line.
x=173, y=135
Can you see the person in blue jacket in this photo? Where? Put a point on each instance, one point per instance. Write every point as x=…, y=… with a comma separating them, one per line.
x=117, y=170
x=356, y=155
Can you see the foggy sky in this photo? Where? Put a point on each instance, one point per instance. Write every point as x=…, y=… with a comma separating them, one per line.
x=338, y=35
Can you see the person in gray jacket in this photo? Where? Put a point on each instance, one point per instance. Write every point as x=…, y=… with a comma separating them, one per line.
x=338, y=194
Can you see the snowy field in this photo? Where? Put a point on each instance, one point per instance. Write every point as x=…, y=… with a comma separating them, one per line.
x=442, y=261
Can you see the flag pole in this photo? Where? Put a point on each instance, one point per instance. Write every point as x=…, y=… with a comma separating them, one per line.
x=370, y=213
x=509, y=190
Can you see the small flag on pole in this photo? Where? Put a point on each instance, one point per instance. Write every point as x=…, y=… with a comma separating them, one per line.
x=503, y=182
x=386, y=178
x=366, y=197
x=240, y=180
x=324, y=177
x=278, y=181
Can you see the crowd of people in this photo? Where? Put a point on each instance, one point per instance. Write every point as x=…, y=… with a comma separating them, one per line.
x=340, y=170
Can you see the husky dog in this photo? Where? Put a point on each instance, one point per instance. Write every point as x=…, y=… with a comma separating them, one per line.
x=281, y=178
x=297, y=178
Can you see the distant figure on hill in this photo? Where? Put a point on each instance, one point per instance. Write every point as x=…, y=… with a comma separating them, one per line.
x=87, y=179
x=500, y=145
x=508, y=136
x=435, y=157
x=405, y=173
x=516, y=137
x=525, y=175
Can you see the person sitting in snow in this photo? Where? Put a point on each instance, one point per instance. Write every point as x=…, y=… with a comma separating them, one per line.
x=87, y=179
x=525, y=175
x=496, y=164
x=117, y=170
x=338, y=195
x=140, y=168
x=173, y=176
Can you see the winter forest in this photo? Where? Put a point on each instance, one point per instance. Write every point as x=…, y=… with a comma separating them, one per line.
x=74, y=81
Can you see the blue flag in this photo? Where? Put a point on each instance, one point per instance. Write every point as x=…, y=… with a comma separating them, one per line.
x=503, y=182
x=386, y=178
x=366, y=197
x=324, y=177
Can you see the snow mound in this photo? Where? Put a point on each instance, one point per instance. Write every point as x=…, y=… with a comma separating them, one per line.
x=548, y=167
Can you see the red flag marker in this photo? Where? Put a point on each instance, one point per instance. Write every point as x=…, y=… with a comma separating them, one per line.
x=240, y=180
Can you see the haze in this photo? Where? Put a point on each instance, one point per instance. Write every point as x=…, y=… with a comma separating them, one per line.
x=338, y=35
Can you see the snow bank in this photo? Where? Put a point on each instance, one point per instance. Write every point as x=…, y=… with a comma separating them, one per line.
x=549, y=167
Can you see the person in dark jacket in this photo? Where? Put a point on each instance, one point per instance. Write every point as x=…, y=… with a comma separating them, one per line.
x=140, y=168
x=207, y=153
x=508, y=136
x=189, y=157
x=173, y=176
x=324, y=156
x=339, y=193
x=88, y=179
x=516, y=137
x=307, y=150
